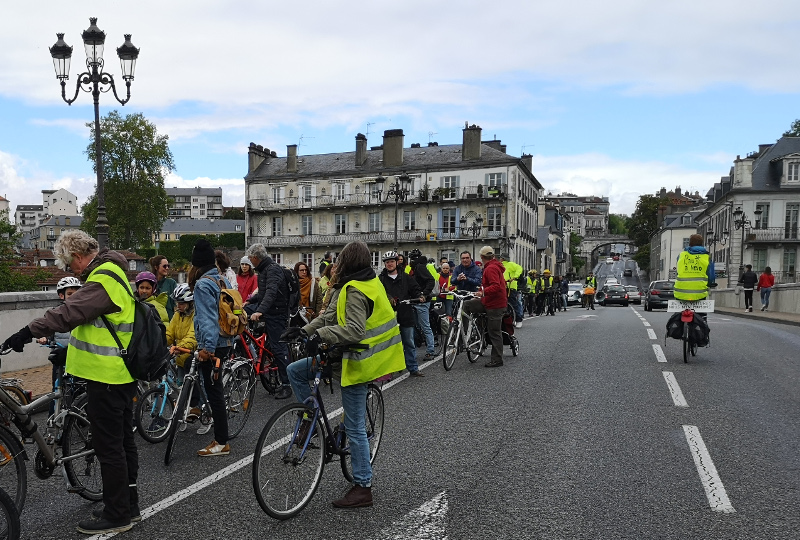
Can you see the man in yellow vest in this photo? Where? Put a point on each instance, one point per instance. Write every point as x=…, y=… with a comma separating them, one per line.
x=93, y=355
x=695, y=271
x=362, y=314
x=511, y=274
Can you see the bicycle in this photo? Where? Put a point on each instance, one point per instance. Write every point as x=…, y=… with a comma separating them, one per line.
x=472, y=338
x=66, y=443
x=255, y=350
x=9, y=517
x=687, y=309
x=298, y=441
x=155, y=409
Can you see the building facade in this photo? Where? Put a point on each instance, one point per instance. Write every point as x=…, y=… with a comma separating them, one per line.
x=668, y=241
x=195, y=203
x=172, y=229
x=454, y=197
x=44, y=236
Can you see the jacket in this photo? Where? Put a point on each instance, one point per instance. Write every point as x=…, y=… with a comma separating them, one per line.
x=472, y=272
x=511, y=273
x=160, y=303
x=272, y=298
x=402, y=287
x=691, y=283
x=315, y=297
x=206, y=313
x=423, y=275
x=710, y=272
x=180, y=332
x=359, y=308
x=167, y=285
x=766, y=281
x=246, y=284
x=748, y=280
x=494, y=285
x=564, y=286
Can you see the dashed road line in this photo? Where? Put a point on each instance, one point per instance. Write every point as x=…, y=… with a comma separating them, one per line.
x=651, y=333
x=645, y=323
x=659, y=353
x=674, y=389
x=712, y=483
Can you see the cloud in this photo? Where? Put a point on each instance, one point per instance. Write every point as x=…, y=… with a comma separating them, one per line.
x=232, y=188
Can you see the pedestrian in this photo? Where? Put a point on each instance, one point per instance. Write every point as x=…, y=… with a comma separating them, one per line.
x=224, y=266
x=310, y=294
x=326, y=261
x=325, y=285
x=467, y=275
x=359, y=304
x=748, y=281
x=93, y=356
x=765, y=283
x=212, y=345
x=445, y=286
x=161, y=268
x=246, y=280
x=402, y=266
x=271, y=304
x=146, y=292
x=420, y=272
x=491, y=300
x=564, y=292
x=400, y=286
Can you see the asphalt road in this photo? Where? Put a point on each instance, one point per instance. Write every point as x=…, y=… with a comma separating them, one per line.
x=581, y=436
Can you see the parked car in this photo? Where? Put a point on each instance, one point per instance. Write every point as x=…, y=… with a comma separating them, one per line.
x=627, y=272
x=610, y=260
x=634, y=294
x=658, y=294
x=575, y=293
x=615, y=294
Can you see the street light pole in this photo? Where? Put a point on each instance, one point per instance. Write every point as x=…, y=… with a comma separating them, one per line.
x=741, y=221
x=474, y=229
x=399, y=191
x=94, y=80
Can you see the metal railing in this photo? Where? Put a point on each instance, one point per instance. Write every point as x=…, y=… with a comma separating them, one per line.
x=785, y=277
x=772, y=234
x=376, y=237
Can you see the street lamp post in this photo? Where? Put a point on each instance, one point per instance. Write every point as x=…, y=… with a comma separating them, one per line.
x=94, y=80
x=474, y=229
x=713, y=239
x=741, y=221
x=398, y=190
x=507, y=242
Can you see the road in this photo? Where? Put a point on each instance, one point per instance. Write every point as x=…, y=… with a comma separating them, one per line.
x=585, y=435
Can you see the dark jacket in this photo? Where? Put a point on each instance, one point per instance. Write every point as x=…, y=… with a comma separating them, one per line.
x=273, y=291
x=403, y=287
x=423, y=276
x=748, y=280
x=564, y=286
x=472, y=272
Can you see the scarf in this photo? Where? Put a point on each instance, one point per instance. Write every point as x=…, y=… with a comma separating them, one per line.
x=305, y=291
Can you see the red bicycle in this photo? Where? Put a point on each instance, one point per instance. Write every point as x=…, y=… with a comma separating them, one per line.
x=254, y=349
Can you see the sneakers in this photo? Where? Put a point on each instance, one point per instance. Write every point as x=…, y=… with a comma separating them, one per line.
x=103, y=526
x=417, y=373
x=518, y=324
x=428, y=356
x=215, y=449
x=203, y=429
x=357, y=497
x=194, y=414
x=763, y=308
x=136, y=515
x=750, y=309
x=494, y=363
x=284, y=392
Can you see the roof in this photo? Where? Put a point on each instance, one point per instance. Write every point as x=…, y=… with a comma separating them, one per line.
x=214, y=192
x=30, y=208
x=202, y=226
x=28, y=255
x=61, y=221
x=130, y=255
x=50, y=274
x=592, y=212
x=542, y=237
x=673, y=221
x=767, y=168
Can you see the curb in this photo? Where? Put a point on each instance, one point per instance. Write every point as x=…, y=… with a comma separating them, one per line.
x=758, y=318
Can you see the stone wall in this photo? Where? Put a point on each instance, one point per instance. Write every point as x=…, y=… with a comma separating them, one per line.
x=17, y=309
x=784, y=298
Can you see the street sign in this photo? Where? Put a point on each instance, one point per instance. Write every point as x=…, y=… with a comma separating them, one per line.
x=699, y=306
x=673, y=274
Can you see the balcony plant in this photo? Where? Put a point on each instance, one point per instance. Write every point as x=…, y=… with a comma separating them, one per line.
x=424, y=193
x=480, y=191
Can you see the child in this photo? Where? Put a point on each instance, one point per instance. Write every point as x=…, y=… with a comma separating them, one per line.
x=146, y=284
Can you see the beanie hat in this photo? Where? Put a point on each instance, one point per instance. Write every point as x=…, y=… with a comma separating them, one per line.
x=203, y=254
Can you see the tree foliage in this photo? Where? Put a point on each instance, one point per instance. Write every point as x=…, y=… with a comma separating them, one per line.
x=644, y=221
x=794, y=131
x=135, y=160
x=574, y=247
x=234, y=213
x=10, y=279
x=642, y=257
x=618, y=224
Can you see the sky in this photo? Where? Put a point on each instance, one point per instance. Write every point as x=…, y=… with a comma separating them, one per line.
x=615, y=99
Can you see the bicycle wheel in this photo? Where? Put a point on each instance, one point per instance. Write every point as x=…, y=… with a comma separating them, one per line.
x=84, y=472
x=154, y=414
x=450, y=346
x=475, y=343
x=374, y=425
x=285, y=475
x=685, y=340
x=9, y=517
x=514, y=345
x=179, y=418
x=13, y=473
x=239, y=391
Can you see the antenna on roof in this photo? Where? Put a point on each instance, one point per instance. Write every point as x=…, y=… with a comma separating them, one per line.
x=300, y=143
x=524, y=146
x=431, y=134
x=369, y=124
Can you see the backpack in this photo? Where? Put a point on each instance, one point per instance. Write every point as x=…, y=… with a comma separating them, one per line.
x=522, y=283
x=147, y=353
x=232, y=317
x=293, y=284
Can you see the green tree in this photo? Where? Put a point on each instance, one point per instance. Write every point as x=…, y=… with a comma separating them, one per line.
x=642, y=257
x=234, y=213
x=618, y=224
x=644, y=221
x=794, y=131
x=10, y=279
x=574, y=246
x=135, y=161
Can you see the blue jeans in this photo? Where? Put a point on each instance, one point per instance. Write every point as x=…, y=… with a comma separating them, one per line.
x=424, y=322
x=354, y=399
x=448, y=306
x=516, y=304
x=409, y=348
x=765, y=292
x=275, y=326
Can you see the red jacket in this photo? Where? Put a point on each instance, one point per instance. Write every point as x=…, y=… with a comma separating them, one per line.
x=766, y=280
x=494, y=285
x=246, y=285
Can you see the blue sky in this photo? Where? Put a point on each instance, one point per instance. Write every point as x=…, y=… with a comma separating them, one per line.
x=615, y=100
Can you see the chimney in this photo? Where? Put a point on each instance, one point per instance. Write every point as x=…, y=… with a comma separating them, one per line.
x=471, y=148
x=291, y=158
x=527, y=159
x=678, y=191
x=255, y=156
x=763, y=148
x=393, y=148
x=361, y=149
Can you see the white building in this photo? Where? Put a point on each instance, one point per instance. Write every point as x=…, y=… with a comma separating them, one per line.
x=195, y=203
x=59, y=202
x=668, y=241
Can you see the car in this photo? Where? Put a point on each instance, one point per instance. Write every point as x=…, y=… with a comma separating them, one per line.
x=658, y=294
x=627, y=272
x=612, y=281
x=615, y=294
x=616, y=257
x=610, y=260
x=634, y=294
x=575, y=293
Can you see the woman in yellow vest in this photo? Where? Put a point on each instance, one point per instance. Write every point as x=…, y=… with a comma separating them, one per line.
x=695, y=271
x=362, y=315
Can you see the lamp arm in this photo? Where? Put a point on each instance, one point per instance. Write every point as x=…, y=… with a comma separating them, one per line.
x=82, y=78
x=114, y=89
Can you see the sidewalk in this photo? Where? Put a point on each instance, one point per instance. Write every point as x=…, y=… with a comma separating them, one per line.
x=771, y=316
x=37, y=380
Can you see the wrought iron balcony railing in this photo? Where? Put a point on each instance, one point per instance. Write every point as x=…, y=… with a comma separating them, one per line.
x=772, y=234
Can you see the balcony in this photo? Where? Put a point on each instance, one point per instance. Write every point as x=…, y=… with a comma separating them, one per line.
x=785, y=277
x=381, y=237
x=772, y=235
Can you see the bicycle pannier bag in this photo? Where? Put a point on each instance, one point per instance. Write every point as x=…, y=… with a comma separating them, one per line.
x=675, y=326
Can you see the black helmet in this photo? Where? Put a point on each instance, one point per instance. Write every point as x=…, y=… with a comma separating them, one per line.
x=415, y=254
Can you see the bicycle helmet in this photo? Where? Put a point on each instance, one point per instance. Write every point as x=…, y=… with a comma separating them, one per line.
x=67, y=283
x=183, y=293
x=414, y=254
x=146, y=276
x=390, y=255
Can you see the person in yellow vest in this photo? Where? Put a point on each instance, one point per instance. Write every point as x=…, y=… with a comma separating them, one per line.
x=445, y=280
x=544, y=299
x=530, y=298
x=511, y=274
x=695, y=271
x=360, y=312
x=93, y=355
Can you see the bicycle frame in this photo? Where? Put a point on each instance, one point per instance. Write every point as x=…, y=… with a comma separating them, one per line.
x=260, y=363
x=464, y=331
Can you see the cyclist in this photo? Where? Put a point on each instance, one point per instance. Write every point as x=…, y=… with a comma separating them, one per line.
x=695, y=271
x=400, y=286
x=511, y=274
x=180, y=334
x=530, y=298
x=467, y=275
x=419, y=267
x=146, y=287
x=493, y=301
x=360, y=313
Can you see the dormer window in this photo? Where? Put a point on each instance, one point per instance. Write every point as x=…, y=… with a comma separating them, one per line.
x=793, y=172
x=686, y=219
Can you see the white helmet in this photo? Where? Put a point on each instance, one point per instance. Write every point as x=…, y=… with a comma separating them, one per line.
x=67, y=283
x=183, y=293
x=390, y=255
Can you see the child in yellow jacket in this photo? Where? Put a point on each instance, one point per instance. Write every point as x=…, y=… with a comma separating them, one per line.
x=180, y=330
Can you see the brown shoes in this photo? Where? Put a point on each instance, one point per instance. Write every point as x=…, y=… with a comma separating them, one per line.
x=494, y=363
x=357, y=497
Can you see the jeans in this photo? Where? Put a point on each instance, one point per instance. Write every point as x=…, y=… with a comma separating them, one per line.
x=564, y=299
x=447, y=303
x=275, y=326
x=215, y=395
x=425, y=325
x=354, y=399
x=409, y=348
x=765, y=292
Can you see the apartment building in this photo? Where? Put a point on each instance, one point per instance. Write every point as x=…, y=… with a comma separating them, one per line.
x=195, y=203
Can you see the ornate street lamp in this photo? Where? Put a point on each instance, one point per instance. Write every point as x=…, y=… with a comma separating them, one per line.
x=94, y=80
x=473, y=230
x=507, y=242
x=399, y=191
x=741, y=221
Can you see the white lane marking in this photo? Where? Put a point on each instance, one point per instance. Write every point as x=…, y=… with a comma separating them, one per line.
x=645, y=323
x=425, y=523
x=233, y=467
x=651, y=333
x=659, y=353
x=712, y=483
x=674, y=389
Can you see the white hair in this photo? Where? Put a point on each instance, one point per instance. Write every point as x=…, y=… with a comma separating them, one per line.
x=73, y=241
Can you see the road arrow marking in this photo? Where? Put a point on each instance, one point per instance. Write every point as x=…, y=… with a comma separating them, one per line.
x=425, y=523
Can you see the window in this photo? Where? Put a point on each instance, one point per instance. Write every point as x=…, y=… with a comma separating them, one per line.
x=762, y=221
x=451, y=256
x=277, y=257
x=340, y=223
x=374, y=191
x=448, y=221
x=759, y=259
x=166, y=236
x=376, y=259
x=409, y=221
x=308, y=259
x=338, y=191
x=306, y=225
x=305, y=193
x=202, y=212
x=177, y=236
x=51, y=232
x=277, y=195
x=792, y=211
x=494, y=179
x=794, y=172
x=493, y=219
x=685, y=243
x=277, y=226
x=132, y=266
x=789, y=260
x=238, y=228
x=194, y=199
x=686, y=219
x=374, y=224
x=449, y=185
x=202, y=205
